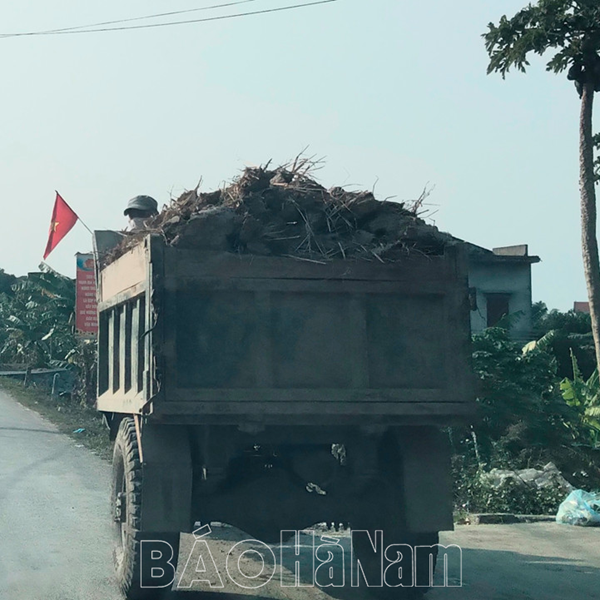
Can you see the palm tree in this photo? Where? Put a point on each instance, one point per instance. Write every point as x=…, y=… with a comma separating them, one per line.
x=570, y=28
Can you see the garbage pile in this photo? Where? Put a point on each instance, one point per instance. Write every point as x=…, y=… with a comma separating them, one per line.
x=284, y=212
x=548, y=477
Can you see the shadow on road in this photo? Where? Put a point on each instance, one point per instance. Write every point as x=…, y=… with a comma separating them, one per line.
x=497, y=574
x=506, y=575
x=200, y=595
x=30, y=429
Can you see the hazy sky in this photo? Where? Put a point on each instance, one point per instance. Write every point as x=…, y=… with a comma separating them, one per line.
x=393, y=93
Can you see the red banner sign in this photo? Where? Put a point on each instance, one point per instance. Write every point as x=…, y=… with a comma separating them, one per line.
x=86, y=307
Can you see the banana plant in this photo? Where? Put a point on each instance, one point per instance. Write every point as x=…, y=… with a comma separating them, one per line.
x=544, y=344
x=37, y=319
x=584, y=396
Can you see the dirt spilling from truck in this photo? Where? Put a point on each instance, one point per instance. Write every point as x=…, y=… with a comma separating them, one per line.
x=285, y=212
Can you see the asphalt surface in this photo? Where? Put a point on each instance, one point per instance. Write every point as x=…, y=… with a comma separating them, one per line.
x=55, y=539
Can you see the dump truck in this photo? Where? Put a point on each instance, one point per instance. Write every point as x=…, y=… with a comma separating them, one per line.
x=273, y=394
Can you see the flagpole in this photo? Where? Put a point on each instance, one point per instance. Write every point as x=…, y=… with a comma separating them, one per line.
x=85, y=225
x=78, y=217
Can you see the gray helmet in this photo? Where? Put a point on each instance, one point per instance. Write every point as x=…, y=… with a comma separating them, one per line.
x=145, y=203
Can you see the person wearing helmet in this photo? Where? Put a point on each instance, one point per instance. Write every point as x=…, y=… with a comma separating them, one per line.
x=139, y=210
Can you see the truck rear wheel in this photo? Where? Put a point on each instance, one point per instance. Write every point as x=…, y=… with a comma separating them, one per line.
x=388, y=515
x=372, y=567
x=126, y=510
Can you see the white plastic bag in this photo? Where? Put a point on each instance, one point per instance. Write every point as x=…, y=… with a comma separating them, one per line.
x=580, y=508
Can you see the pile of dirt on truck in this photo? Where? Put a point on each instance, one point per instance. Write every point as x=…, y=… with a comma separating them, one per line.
x=284, y=212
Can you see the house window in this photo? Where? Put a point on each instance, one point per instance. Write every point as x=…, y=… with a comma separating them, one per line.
x=497, y=307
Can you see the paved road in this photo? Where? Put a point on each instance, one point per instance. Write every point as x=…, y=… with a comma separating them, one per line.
x=541, y=561
x=55, y=539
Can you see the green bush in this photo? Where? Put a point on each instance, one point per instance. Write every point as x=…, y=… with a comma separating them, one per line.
x=524, y=422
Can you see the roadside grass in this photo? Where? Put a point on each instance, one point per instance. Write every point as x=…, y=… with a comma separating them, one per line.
x=68, y=416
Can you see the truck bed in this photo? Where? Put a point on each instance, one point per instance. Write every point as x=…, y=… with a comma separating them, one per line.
x=222, y=338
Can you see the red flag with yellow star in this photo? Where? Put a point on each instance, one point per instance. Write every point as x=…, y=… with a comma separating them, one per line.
x=63, y=219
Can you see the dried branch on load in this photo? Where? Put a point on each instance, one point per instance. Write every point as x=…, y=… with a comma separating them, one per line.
x=284, y=212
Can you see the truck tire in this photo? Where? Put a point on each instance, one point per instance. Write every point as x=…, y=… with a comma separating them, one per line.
x=126, y=510
x=388, y=515
x=372, y=568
